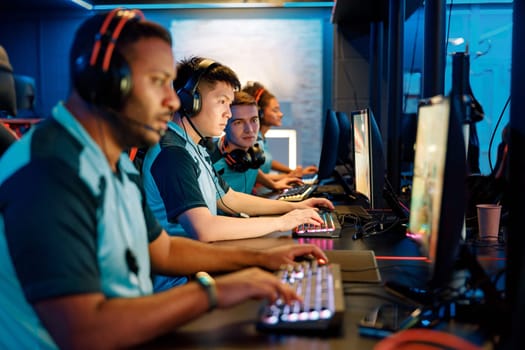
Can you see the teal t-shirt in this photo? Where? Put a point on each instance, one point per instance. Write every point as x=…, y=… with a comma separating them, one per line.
x=267, y=166
x=239, y=181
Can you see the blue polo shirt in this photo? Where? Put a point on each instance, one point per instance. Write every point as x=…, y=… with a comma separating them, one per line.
x=178, y=176
x=66, y=222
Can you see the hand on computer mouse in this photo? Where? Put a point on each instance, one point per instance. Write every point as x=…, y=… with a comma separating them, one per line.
x=287, y=182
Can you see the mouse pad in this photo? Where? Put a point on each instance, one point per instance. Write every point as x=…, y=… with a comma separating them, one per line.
x=353, y=210
x=356, y=265
x=332, y=189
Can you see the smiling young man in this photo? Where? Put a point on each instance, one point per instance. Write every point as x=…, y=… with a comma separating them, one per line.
x=237, y=156
x=270, y=115
x=182, y=188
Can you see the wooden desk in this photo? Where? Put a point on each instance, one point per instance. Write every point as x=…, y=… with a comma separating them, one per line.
x=235, y=328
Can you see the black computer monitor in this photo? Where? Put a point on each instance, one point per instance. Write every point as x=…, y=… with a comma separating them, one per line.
x=330, y=144
x=437, y=205
x=369, y=159
x=344, y=156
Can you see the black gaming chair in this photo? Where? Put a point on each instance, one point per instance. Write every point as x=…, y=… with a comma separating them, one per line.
x=7, y=99
x=7, y=86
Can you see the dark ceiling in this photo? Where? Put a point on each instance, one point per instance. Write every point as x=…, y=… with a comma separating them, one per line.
x=347, y=11
x=53, y=5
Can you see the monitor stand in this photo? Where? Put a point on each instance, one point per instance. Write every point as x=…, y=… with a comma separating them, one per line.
x=489, y=312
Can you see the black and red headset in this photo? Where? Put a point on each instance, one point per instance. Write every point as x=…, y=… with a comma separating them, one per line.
x=240, y=160
x=102, y=76
x=190, y=98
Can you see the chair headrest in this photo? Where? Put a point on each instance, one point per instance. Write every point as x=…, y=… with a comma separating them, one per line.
x=7, y=85
x=4, y=60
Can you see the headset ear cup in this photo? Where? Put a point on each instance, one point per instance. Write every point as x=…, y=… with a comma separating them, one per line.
x=190, y=103
x=108, y=87
x=258, y=157
x=196, y=103
x=118, y=83
x=238, y=160
x=185, y=104
x=189, y=96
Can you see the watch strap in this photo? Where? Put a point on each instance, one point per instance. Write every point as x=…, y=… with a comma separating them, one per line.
x=208, y=284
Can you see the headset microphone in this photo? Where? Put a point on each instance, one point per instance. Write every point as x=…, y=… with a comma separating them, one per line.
x=206, y=142
x=122, y=117
x=161, y=132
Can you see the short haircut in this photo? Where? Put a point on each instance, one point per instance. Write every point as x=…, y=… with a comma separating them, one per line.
x=243, y=99
x=187, y=67
x=261, y=95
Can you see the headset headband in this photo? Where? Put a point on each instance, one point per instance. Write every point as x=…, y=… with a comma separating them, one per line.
x=193, y=82
x=258, y=95
x=125, y=16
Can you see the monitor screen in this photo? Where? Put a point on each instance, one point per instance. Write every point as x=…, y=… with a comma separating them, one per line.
x=330, y=144
x=369, y=160
x=437, y=204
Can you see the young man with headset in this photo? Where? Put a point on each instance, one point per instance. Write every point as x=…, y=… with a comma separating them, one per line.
x=237, y=155
x=77, y=240
x=182, y=188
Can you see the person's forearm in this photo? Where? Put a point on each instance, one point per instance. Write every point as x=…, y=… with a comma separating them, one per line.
x=265, y=180
x=256, y=206
x=229, y=228
x=197, y=256
x=95, y=322
x=278, y=166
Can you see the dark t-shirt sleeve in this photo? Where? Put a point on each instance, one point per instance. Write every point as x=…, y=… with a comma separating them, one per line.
x=54, y=247
x=224, y=185
x=176, y=175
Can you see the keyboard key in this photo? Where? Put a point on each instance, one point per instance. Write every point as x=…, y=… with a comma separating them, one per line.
x=322, y=308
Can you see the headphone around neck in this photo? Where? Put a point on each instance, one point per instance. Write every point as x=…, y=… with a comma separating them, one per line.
x=190, y=99
x=240, y=160
x=102, y=76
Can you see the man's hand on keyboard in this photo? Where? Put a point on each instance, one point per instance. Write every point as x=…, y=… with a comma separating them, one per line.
x=252, y=283
x=274, y=258
x=297, y=217
x=286, y=182
x=315, y=202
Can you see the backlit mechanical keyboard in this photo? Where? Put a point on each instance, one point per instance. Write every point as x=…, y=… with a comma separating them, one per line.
x=322, y=308
x=296, y=194
x=330, y=229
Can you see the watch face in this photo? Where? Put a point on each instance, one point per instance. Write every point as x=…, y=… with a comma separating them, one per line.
x=208, y=283
x=204, y=278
